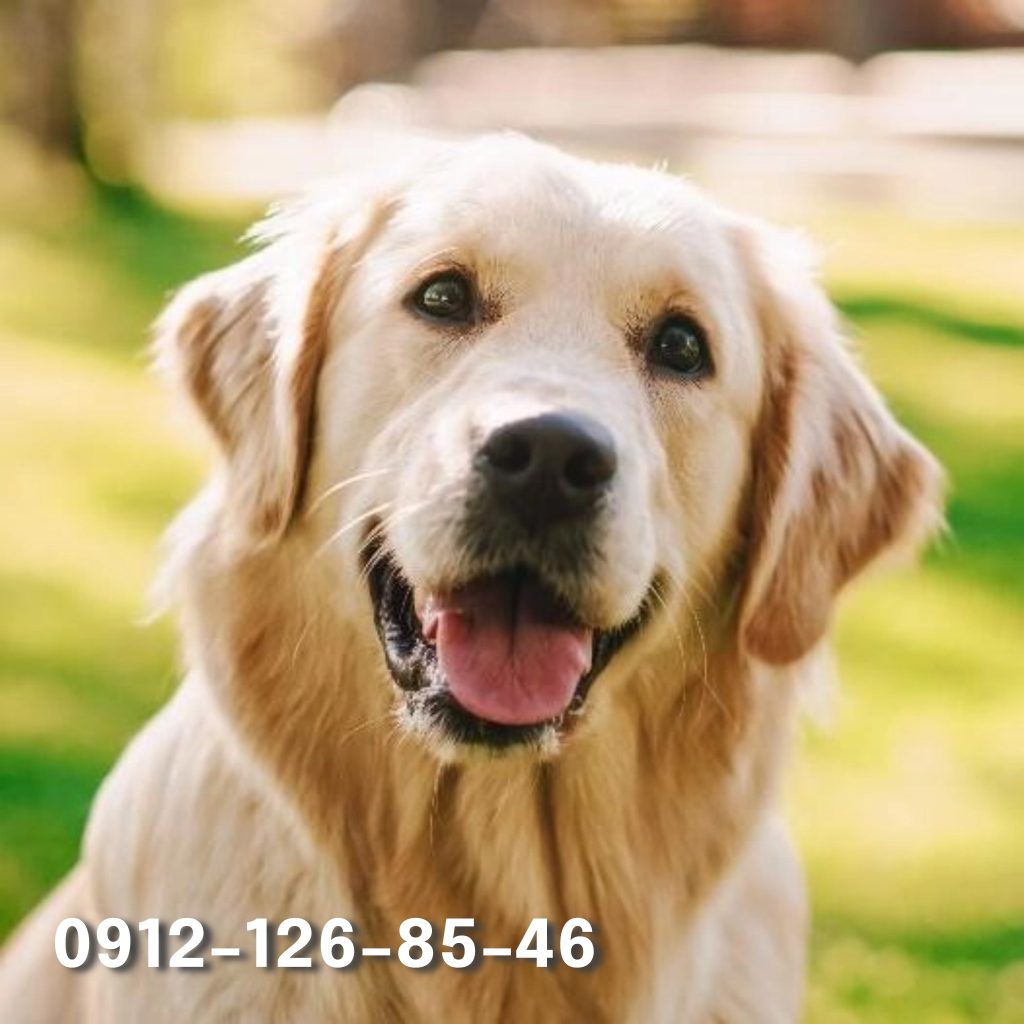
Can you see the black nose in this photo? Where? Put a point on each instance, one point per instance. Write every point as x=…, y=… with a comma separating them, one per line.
x=548, y=468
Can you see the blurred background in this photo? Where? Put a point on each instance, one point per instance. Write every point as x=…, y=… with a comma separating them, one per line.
x=137, y=140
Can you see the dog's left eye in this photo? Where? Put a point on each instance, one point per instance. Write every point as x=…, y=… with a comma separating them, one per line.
x=680, y=345
x=447, y=296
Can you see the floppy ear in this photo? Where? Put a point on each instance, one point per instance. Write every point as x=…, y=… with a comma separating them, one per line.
x=837, y=481
x=246, y=344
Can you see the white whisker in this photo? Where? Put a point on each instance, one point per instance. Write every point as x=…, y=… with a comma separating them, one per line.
x=350, y=525
x=348, y=481
x=705, y=676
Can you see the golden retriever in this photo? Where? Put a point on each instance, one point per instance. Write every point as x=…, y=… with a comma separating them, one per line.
x=538, y=481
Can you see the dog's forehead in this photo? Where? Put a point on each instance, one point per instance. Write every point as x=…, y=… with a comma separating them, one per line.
x=515, y=199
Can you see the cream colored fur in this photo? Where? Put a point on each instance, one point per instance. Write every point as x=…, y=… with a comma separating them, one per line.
x=284, y=779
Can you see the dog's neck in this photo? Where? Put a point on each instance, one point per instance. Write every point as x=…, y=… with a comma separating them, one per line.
x=629, y=826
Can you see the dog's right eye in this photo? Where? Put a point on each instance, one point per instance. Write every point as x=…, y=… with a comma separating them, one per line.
x=447, y=297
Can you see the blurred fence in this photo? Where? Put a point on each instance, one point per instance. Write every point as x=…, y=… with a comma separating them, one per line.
x=792, y=100
x=941, y=131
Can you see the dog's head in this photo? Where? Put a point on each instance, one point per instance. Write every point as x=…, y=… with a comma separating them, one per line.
x=523, y=411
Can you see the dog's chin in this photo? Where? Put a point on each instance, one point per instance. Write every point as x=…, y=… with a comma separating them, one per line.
x=498, y=663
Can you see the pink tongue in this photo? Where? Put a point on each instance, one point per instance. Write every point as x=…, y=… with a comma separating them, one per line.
x=508, y=654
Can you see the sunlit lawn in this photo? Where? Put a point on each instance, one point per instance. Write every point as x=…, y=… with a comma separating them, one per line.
x=909, y=806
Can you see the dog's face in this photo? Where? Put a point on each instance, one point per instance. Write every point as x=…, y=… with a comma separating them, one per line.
x=531, y=367
x=523, y=409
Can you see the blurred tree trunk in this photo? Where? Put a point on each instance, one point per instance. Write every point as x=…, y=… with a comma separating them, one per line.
x=79, y=78
x=365, y=40
x=117, y=54
x=42, y=72
x=861, y=29
x=380, y=40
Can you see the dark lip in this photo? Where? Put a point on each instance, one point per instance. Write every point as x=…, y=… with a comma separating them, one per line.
x=412, y=661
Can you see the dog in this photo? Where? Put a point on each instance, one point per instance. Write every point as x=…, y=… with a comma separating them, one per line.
x=537, y=481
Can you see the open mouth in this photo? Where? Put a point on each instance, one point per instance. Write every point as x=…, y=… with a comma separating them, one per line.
x=499, y=660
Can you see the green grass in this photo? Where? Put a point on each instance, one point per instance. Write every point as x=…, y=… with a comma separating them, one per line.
x=908, y=807
x=95, y=460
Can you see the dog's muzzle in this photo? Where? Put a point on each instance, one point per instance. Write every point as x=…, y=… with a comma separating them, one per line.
x=504, y=656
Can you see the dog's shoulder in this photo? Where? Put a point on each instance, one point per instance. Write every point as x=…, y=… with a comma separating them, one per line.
x=187, y=823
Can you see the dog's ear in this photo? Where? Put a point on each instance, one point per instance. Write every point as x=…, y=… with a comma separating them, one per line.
x=246, y=344
x=837, y=481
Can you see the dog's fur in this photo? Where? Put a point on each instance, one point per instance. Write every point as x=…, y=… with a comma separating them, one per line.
x=287, y=777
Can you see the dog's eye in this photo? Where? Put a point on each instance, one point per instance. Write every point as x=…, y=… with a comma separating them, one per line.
x=447, y=296
x=680, y=346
